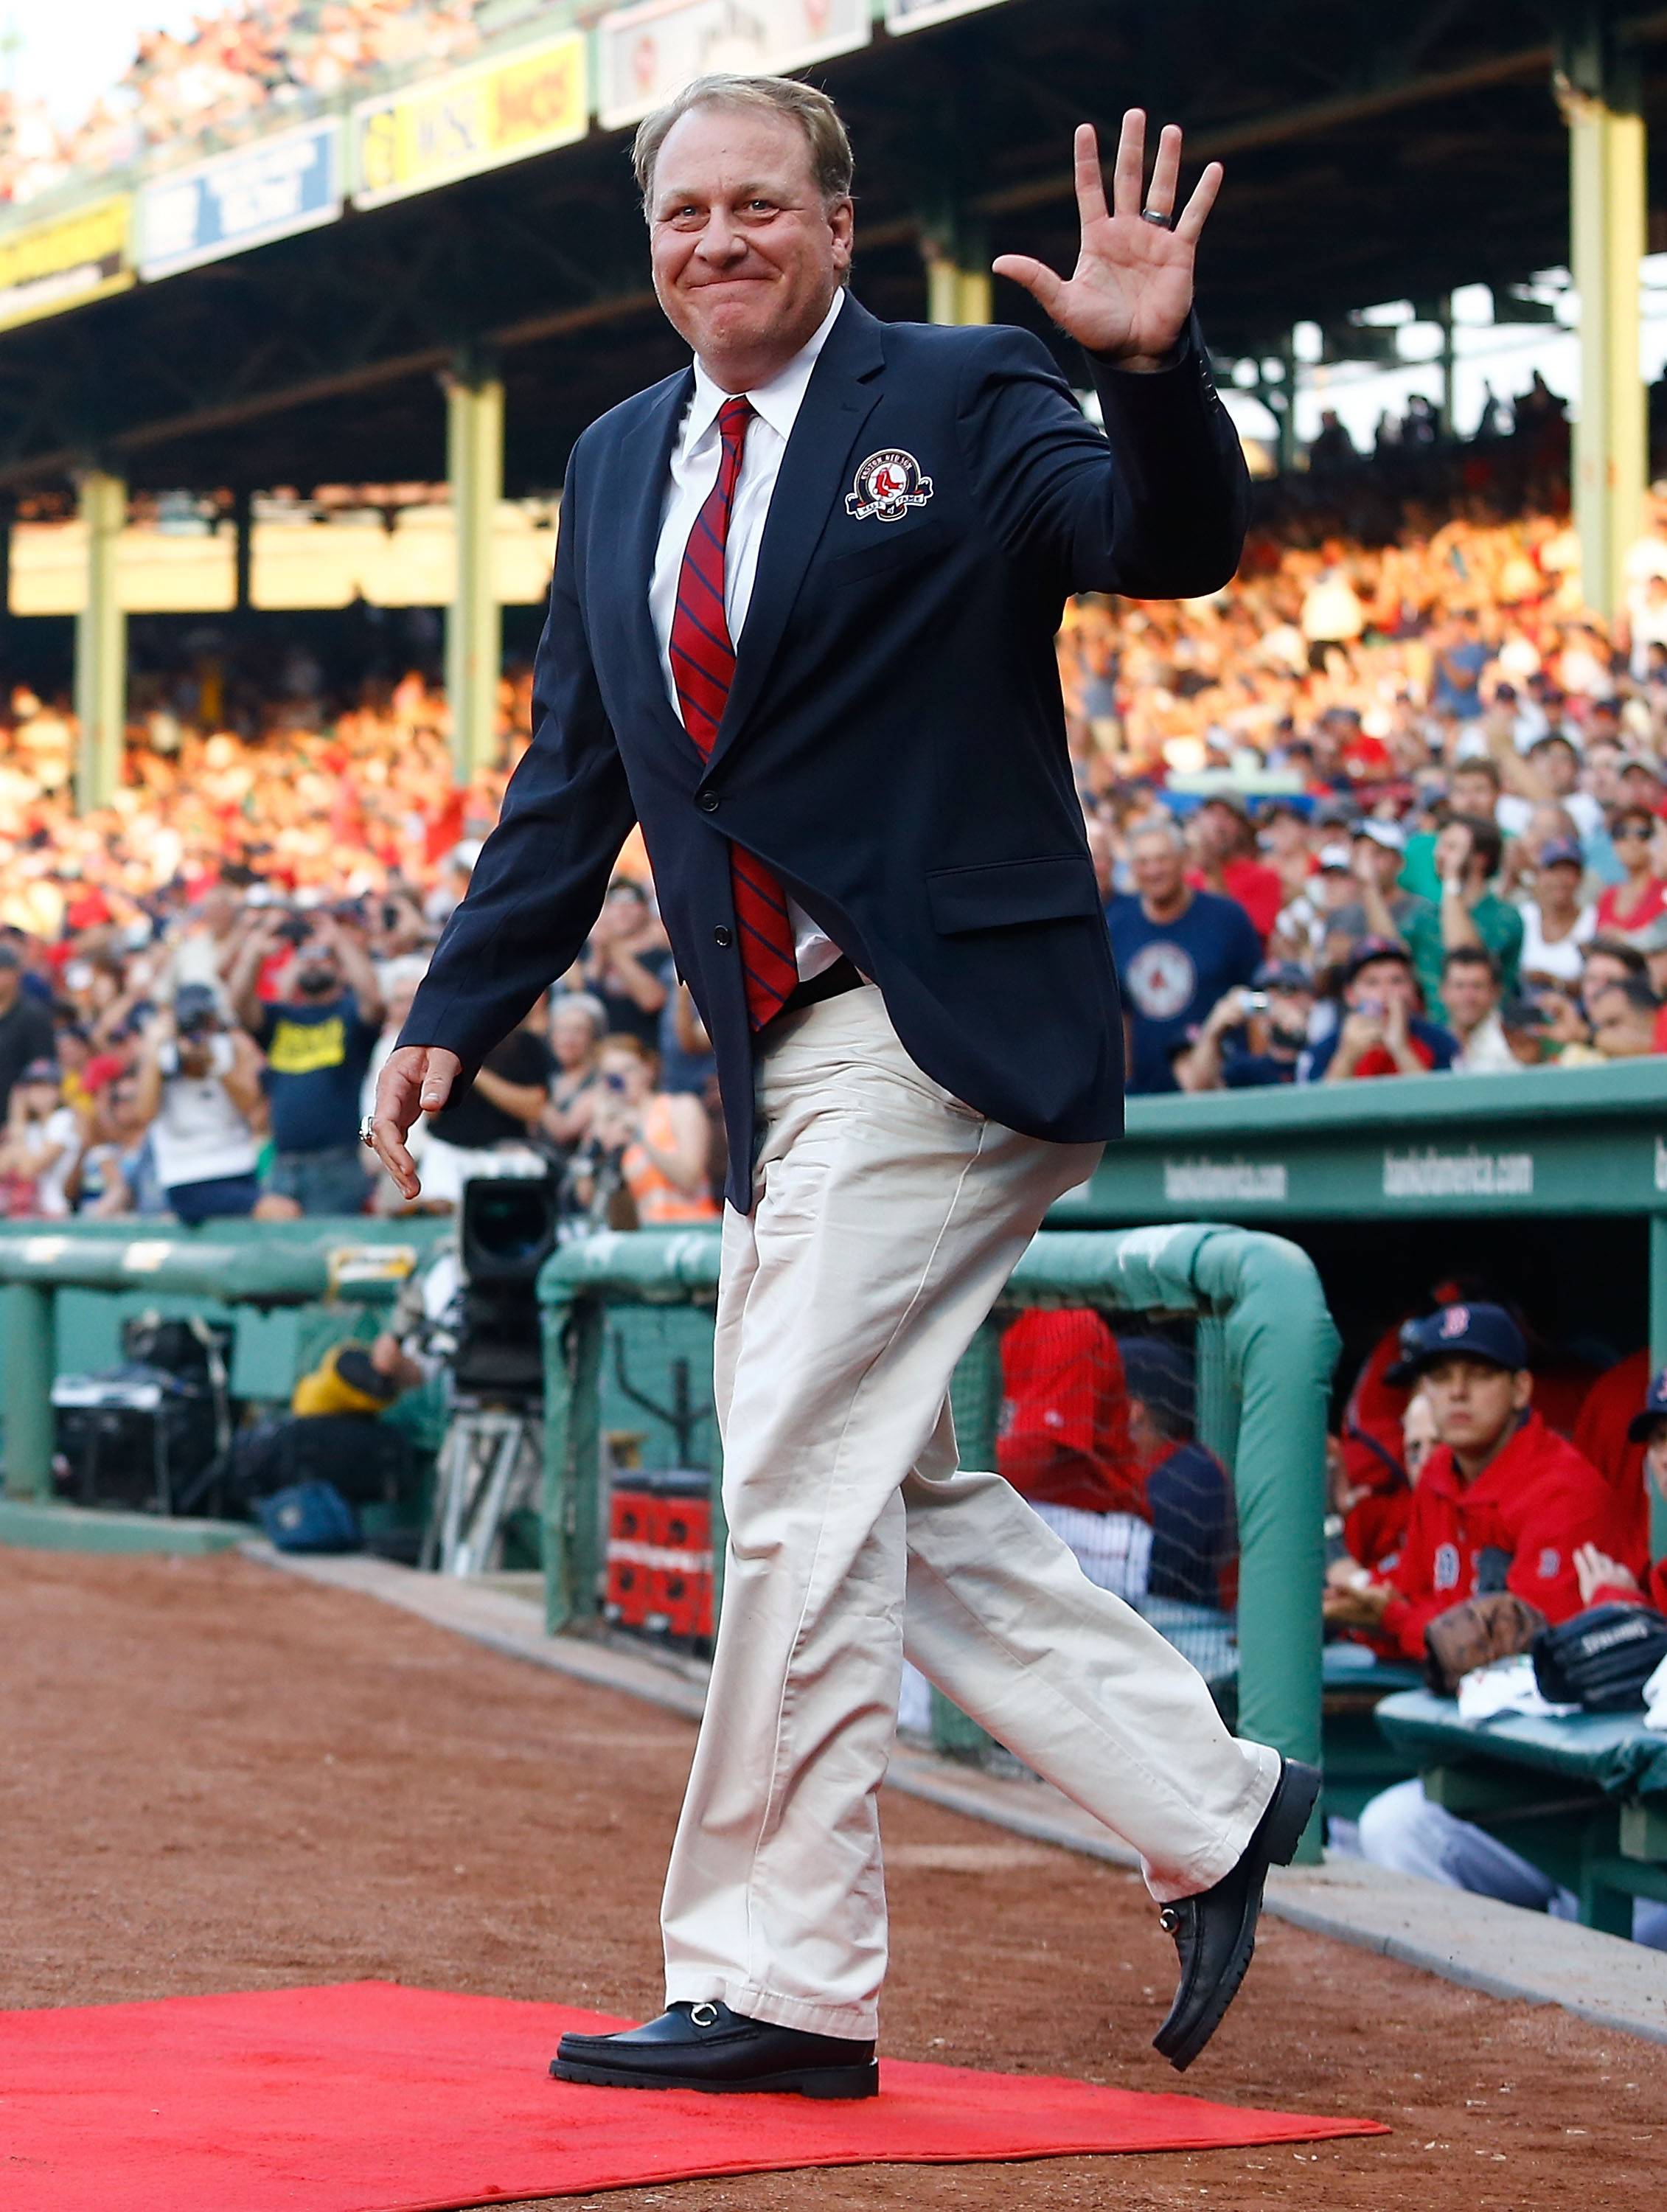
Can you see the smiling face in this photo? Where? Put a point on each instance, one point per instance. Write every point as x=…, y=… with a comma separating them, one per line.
x=746, y=256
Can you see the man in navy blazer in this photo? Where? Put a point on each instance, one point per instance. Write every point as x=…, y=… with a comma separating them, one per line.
x=801, y=629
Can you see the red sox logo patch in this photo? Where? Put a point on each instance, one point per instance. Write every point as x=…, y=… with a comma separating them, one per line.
x=1455, y=1320
x=887, y=485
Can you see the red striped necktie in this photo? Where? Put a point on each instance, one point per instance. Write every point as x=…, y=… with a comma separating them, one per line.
x=702, y=670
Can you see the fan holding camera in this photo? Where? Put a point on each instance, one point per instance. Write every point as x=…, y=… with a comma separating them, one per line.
x=199, y=1089
x=645, y=1160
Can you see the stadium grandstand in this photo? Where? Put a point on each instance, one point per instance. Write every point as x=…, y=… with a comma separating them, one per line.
x=299, y=322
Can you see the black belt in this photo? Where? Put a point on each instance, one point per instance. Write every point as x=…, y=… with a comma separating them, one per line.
x=829, y=983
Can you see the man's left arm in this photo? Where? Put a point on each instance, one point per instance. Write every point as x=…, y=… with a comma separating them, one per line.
x=1162, y=513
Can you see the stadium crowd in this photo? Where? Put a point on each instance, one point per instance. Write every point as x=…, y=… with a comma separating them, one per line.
x=237, y=69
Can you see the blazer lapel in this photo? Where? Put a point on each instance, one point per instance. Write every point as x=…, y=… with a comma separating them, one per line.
x=845, y=385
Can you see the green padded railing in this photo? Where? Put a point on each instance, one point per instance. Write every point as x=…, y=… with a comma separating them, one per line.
x=1266, y=1345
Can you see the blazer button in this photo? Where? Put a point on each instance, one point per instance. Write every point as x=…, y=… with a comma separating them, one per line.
x=722, y=936
x=708, y=802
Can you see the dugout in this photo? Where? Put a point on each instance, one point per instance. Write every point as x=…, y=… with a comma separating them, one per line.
x=1551, y=1186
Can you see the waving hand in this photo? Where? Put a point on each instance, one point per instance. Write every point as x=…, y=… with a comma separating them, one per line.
x=1131, y=291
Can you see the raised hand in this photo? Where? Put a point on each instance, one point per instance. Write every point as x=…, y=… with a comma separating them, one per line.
x=1130, y=293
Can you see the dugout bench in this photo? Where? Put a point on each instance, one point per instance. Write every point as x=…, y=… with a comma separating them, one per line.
x=1584, y=1798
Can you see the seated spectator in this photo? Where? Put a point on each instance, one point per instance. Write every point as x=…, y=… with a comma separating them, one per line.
x=1641, y=898
x=1189, y=1496
x=199, y=1089
x=1470, y=999
x=1381, y=1033
x=1624, y=1019
x=1557, y=923
x=1225, y=846
x=653, y=1147
x=26, y=1025
x=1178, y=950
x=578, y=1023
x=1381, y=909
x=1503, y=1503
x=1252, y=1038
x=40, y=1144
x=1467, y=856
x=1314, y=921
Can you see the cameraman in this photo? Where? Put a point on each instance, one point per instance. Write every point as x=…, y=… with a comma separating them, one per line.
x=318, y=1035
x=199, y=1090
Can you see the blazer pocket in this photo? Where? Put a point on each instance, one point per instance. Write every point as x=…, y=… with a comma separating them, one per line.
x=1058, y=888
x=900, y=548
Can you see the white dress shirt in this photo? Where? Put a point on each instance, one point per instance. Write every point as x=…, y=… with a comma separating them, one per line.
x=694, y=471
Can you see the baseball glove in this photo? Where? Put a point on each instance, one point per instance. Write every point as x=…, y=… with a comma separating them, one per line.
x=1496, y=1625
x=1602, y=1658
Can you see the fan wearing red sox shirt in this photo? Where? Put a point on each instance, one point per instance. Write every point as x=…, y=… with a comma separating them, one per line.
x=801, y=629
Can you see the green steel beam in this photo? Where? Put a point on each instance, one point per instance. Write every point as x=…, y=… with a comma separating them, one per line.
x=101, y=644
x=474, y=463
x=26, y=1389
x=1606, y=222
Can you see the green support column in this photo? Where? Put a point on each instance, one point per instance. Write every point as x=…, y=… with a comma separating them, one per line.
x=26, y=1389
x=243, y=539
x=959, y=288
x=1607, y=230
x=474, y=451
x=101, y=644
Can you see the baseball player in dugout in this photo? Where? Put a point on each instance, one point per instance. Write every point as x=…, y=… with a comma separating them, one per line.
x=801, y=629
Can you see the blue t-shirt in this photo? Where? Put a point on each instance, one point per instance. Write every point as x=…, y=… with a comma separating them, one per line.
x=1173, y=972
x=1462, y=699
x=316, y=1058
x=1441, y=1045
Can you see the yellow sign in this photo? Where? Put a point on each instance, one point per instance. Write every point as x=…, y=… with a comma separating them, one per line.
x=45, y=267
x=476, y=119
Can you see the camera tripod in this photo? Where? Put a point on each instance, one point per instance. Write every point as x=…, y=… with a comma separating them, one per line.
x=490, y=1465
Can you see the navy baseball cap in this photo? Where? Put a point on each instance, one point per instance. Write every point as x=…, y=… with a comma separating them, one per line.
x=1562, y=852
x=1655, y=1409
x=1283, y=975
x=1475, y=1332
x=1160, y=1372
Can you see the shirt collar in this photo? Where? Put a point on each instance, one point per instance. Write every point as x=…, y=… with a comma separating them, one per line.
x=776, y=403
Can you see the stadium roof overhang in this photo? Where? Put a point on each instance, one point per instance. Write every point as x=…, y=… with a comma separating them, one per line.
x=1371, y=153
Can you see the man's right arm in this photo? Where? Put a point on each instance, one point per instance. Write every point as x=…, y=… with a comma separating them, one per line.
x=542, y=875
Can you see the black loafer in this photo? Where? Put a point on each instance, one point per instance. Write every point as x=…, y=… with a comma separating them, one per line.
x=707, y=2046
x=1215, y=1931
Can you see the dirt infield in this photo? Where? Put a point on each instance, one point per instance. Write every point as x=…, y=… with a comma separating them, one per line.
x=216, y=1777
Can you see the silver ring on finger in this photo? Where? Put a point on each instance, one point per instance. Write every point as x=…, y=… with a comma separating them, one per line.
x=1151, y=215
x=367, y=1132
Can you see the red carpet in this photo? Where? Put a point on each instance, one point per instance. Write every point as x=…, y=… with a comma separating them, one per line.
x=366, y=2097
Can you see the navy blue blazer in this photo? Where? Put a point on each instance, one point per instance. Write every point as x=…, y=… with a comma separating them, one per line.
x=894, y=744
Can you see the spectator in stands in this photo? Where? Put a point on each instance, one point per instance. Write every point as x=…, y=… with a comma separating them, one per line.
x=1178, y=950
x=1309, y=927
x=318, y=1043
x=1624, y=1018
x=1501, y=1495
x=1188, y=1499
x=1252, y=1038
x=26, y=1026
x=655, y=1146
x=627, y=963
x=1382, y=1032
x=1641, y=898
x=40, y=1144
x=1558, y=924
x=1470, y=999
x=1224, y=844
x=578, y=1023
x=199, y=1091
x=1467, y=857
x=1461, y=656
x=116, y=1174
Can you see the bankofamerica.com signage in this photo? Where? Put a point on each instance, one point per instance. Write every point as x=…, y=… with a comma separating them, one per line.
x=649, y=52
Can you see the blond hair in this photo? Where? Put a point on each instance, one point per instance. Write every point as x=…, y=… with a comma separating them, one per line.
x=812, y=111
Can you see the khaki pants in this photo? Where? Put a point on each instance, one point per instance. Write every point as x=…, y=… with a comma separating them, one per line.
x=887, y=1217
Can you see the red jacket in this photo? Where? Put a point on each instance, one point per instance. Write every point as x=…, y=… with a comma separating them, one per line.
x=1538, y=1502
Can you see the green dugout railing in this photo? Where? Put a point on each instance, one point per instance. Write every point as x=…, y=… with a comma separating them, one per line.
x=1267, y=1347
x=293, y=1294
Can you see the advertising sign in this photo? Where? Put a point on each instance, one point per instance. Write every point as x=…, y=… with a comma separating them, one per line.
x=290, y=182
x=478, y=118
x=649, y=52
x=65, y=260
x=919, y=15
